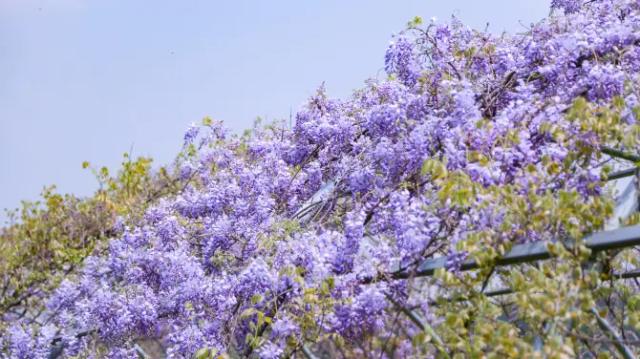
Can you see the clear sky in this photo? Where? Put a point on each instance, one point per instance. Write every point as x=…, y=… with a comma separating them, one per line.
x=90, y=79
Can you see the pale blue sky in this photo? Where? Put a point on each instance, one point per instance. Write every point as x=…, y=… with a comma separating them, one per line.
x=89, y=79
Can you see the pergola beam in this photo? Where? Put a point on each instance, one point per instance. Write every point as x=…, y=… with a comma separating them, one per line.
x=530, y=252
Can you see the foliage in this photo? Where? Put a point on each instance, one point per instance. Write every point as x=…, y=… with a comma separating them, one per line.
x=48, y=239
x=281, y=241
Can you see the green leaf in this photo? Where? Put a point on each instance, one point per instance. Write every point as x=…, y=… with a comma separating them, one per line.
x=434, y=168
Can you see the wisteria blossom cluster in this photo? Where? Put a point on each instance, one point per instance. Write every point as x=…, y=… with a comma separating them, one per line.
x=302, y=242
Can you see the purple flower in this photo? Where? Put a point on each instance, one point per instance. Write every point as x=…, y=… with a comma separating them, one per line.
x=605, y=82
x=21, y=342
x=455, y=260
x=191, y=134
x=270, y=350
x=400, y=60
x=568, y=6
x=283, y=327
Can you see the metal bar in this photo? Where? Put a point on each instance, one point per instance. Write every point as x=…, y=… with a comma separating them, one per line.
x=529, y=252
x=622, y=174
x=615, y=239
x=505, y=291
x=141, y=353
x=627, y=275
x=498, y=292
x=308, y=353
x=620, y=154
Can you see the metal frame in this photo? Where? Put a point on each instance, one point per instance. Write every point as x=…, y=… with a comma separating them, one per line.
x=530, y=252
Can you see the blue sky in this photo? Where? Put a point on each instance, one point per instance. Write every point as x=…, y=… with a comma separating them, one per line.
x=89, y=80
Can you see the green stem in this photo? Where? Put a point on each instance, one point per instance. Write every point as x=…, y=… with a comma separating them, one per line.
x=611, y=333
